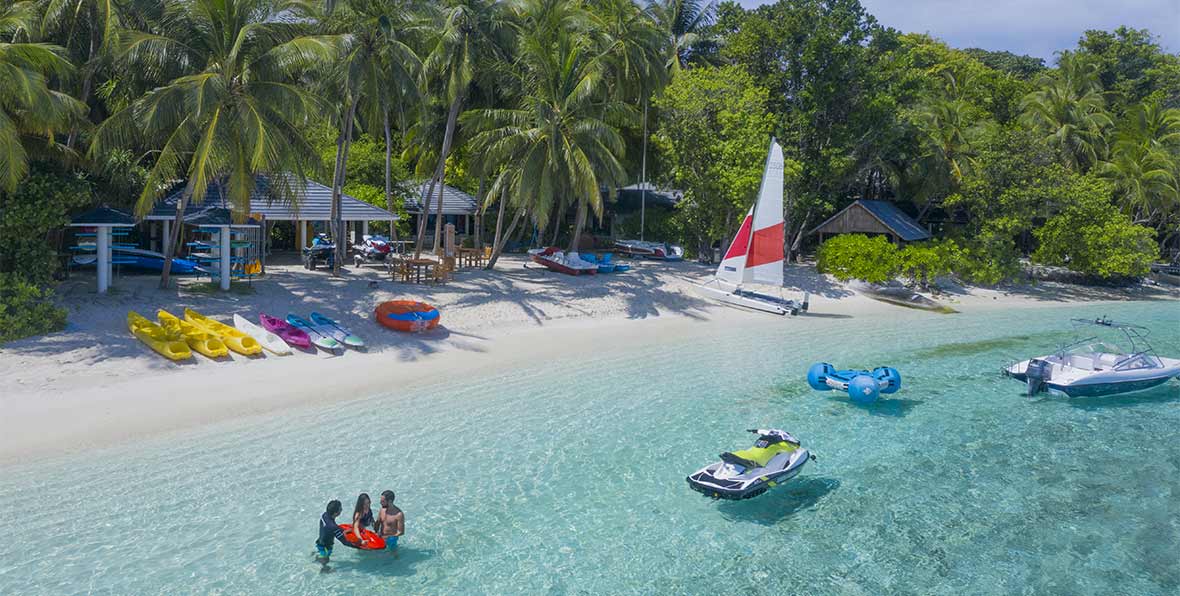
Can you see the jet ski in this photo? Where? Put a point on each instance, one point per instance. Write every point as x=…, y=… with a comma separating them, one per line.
x=775, y=458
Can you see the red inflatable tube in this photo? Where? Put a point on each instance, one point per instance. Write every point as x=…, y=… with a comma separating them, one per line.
x=369, y=539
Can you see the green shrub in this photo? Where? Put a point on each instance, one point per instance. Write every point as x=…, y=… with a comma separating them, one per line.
x=923, y=262
x=26, y=309
x=40, y=204
x=856, y=256
x=1091, y=236
x=988, y=258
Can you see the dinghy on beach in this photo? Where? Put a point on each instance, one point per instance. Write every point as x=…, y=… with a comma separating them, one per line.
x=756, y=254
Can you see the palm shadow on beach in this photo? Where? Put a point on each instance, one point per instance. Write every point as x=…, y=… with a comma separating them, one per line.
x=778, y=504
x=399, y=563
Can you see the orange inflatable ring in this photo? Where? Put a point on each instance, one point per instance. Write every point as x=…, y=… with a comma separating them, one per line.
x=407, y=315
x=369, y=539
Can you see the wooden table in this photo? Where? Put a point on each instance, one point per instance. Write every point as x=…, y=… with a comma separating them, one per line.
x=419, y=269
x=470, y=257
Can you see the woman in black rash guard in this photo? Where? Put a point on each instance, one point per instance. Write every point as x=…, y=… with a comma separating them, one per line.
x=362, y=516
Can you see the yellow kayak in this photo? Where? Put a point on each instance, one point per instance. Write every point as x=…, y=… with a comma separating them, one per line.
x=233, y=339
x=196, y=337
x=157, y=338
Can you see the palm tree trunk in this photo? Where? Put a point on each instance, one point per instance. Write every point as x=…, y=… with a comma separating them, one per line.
x=557, y=221
x=342, y=147
x=448, y=136
x=502, y=241
x=477, y=243
x=388, y=168
x=578, y=223
x=87, y=81
x=174, y=233
x=424, y=202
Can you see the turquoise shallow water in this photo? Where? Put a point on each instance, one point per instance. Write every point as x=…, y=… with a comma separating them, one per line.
x=544, y=482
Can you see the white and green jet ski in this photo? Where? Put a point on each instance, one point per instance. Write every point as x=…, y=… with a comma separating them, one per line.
x=775, y=458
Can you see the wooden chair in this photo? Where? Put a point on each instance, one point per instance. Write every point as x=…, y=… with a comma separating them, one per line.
x=441, y=273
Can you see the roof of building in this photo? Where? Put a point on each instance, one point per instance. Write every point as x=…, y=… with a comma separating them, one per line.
x=313, y=203
x=455, y=201
x=903, y=226
x=103, y=216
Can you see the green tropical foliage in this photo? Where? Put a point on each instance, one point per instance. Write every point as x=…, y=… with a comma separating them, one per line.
x=855, y=256
x=544, y=107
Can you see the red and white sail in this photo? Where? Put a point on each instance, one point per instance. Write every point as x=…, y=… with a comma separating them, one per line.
x=756, y=254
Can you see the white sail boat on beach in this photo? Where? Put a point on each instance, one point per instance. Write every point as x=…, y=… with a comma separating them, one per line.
x=756, y=254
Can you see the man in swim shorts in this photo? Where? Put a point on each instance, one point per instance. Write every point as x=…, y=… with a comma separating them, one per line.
x=329, y=531
x=391, y=522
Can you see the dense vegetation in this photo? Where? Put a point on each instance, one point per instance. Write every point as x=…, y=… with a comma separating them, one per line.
x=537, y=106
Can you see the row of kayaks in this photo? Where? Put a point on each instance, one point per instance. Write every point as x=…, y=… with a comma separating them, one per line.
x=177, y=338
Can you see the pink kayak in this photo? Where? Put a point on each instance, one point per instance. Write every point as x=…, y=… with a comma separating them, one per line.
x=285, y=330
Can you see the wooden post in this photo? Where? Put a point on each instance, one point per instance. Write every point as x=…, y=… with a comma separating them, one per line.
x=167, y=235
x=302, y=233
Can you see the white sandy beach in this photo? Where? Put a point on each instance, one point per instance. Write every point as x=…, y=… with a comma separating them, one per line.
x=94, y=385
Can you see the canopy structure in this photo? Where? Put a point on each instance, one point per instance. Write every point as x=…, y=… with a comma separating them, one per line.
x=455, y=201
x=104, y=220
x=313, y=203
x=873, y=217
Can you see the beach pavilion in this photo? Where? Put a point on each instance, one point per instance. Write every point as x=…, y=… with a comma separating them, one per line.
x=871, y=218
x=313, y=205
x=458, y=208
x=104, y=221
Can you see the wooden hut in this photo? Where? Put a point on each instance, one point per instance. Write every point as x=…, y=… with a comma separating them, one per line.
x=873, y=217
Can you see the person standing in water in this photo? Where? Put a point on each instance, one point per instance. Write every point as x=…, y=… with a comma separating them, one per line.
x=362, y=516
x=391, y=522
x=329, y=532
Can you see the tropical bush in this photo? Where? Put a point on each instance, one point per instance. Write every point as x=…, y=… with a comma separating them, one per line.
x=856, y=256
x=923, y=262
x=27, y=309
x=40, y=205
x=1091, y=236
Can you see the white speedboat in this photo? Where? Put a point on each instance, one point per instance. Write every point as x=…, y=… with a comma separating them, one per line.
x=1092, y=367
x=756, y=254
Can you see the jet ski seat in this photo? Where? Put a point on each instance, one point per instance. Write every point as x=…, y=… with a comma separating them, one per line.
x=756, y=457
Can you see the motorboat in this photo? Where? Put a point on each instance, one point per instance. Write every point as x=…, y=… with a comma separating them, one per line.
x=1092, y=366
x=756, y=254
x=775, y=458
x=651, y=250
x=554, y=259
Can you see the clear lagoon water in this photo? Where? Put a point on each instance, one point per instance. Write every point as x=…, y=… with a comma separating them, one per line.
x=567, y=477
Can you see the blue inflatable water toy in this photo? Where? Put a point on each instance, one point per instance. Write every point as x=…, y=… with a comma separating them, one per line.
x=863, y=386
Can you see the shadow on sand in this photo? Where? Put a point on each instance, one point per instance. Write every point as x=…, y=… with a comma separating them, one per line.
x=896, y=407
x=778, y=504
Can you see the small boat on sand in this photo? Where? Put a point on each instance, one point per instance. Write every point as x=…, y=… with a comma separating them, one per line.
x=269, y=341
x=233, y=339
x=336, y=331
x=900, y=296
x=661, y=251
x=290, y=334
x=157, y=338
x=317, y=336
x=197, y=338
x=554, y=259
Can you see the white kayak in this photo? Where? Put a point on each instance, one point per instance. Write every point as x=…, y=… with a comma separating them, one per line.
x=269, y=341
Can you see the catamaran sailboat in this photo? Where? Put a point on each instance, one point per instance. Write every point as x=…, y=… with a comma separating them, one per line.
x=756, y=255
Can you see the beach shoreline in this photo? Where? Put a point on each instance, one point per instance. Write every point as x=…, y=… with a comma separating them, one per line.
x=93, y=385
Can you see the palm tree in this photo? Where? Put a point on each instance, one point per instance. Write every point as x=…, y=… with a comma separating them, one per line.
x=685, y=23
x=233, y=111
x=1070, y=111
x=1144, y=164
x=560, y=139
x=469, y=32
x=30, y=111
x=376, y=64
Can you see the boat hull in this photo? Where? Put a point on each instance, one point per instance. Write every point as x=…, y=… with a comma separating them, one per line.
x=563, y=268
x=751, y=300
x=1099, y=385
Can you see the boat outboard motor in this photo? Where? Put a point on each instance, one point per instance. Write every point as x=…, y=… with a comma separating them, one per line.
x=1037, y=374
